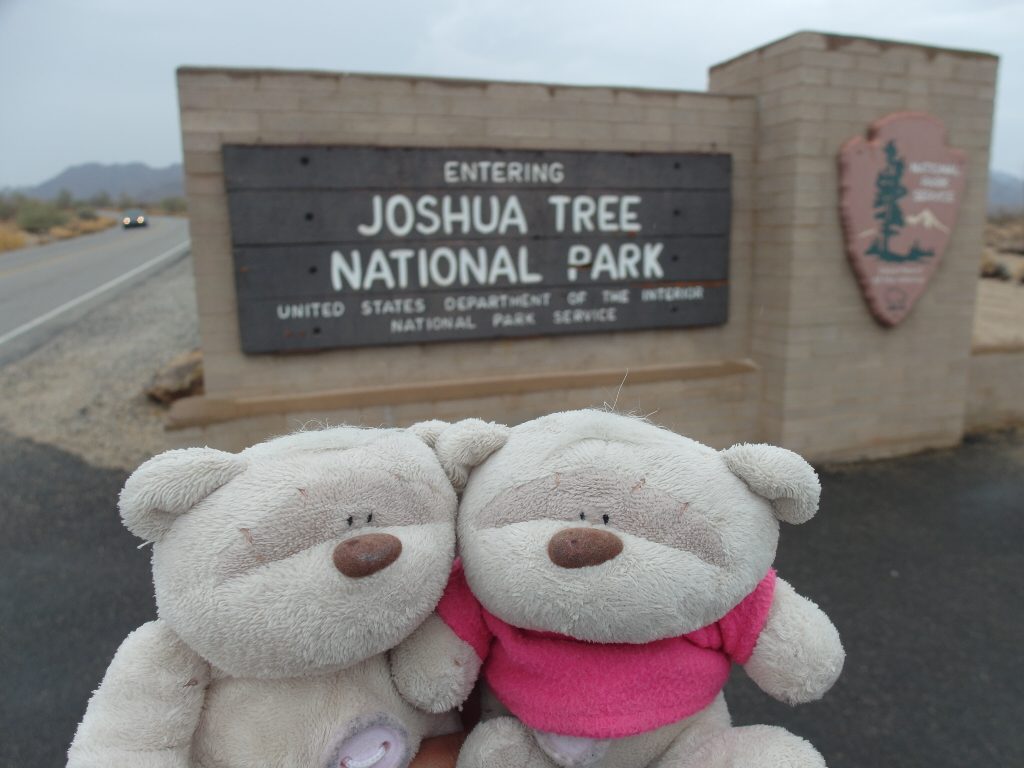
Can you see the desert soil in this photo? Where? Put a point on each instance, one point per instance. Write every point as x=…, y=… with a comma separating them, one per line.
x=999, y=318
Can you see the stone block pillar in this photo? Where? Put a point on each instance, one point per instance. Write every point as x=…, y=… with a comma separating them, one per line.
x=836, y=384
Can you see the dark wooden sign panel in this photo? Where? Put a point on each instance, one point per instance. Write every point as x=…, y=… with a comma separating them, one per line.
x=358, y=246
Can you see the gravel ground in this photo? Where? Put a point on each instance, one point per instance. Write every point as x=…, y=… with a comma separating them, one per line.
x=82, y=390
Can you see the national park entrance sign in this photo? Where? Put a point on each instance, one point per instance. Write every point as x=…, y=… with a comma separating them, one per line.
x=553, y=238
x=348, y=246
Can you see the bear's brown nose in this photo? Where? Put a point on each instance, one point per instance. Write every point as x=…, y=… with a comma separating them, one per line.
x=580, y=547
x=365, y=555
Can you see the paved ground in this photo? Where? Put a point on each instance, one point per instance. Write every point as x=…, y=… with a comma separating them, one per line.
x=919, y=561
x=68, y=277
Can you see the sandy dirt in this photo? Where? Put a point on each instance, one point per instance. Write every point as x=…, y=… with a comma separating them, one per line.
x=82, y=390
x=999, y=317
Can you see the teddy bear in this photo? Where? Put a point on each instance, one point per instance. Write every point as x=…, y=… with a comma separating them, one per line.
x=284, y=576
x=611, y=573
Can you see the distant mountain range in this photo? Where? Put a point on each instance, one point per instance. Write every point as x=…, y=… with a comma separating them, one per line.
x=136, y=180
x=1005, y=193
x=146, y=184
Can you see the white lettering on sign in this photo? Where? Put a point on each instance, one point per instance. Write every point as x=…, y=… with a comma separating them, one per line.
x=415, y=306
x=605, y=213
x=932, y=168
x=575, y=298
x=433, y=323
x=493, y=301
x=924, y=195
x=513, y=319
x=400, y=216
x=673, y=293
x=630, y=261
x=503, y=172
x=577, y=316
x=441, y=266
x=310, y=309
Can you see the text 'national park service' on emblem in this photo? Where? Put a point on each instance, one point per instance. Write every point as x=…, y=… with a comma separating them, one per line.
x=900, y=191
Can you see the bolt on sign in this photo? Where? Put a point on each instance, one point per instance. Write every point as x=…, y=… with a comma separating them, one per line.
x=358, y=246
x=900, y=191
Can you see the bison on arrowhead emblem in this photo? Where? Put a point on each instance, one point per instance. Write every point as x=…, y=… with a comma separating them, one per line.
x=900, y=191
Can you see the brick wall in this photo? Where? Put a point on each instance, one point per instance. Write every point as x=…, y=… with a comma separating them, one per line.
x=835, y=383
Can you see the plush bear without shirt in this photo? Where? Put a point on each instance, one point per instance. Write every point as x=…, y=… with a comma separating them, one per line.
x=283, y=575
x=612, y=572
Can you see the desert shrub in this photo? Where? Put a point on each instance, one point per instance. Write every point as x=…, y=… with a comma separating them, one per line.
x=173, y=205
x=100, y=200
x=64, y=200
x=97, y=224
x=38, y=217
x=86, y=214
x=10, y=238
x=8, y=208
x=1005, y=216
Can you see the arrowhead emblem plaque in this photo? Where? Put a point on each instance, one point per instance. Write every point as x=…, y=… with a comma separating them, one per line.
x=900, y=191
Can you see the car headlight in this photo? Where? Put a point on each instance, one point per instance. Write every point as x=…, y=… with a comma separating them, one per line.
x=141, y=219
x=126, y=220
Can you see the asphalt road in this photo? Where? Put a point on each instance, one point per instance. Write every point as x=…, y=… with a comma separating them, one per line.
x=45, y=288
x=919, y=562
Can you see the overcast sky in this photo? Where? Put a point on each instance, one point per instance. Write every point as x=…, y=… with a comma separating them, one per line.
x=93, y=80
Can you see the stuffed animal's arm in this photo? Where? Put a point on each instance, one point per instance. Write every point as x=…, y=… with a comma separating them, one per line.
x=145, y=712
x=433, y=668
x=798, y=655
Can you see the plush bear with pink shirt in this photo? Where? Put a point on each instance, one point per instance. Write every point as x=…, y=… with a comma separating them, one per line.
x=611, y=574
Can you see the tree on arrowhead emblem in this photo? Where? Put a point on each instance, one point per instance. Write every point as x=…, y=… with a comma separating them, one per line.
x=888, y=191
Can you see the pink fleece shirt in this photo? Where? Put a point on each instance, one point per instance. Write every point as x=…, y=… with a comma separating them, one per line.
x=562, y=685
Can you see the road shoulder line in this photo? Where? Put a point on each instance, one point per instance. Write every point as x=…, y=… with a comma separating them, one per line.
x=57, y=311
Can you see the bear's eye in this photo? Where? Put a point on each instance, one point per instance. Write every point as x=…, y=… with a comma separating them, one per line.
x=369, y=518
x=349, y=521
x=605, y=518
x=583, y=515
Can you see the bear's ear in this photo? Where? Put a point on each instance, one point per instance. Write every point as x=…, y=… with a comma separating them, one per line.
x=429, y=431
x=171, y=484
x=467, y=444
x=781, y=476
